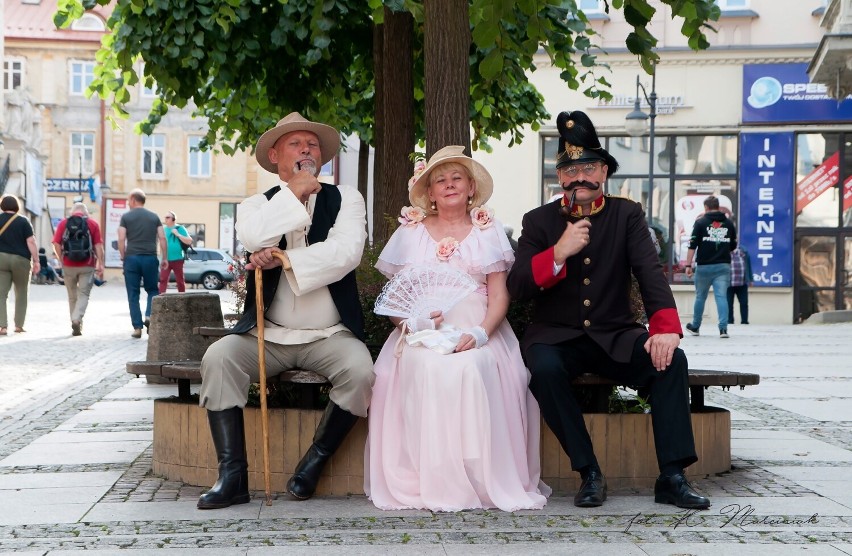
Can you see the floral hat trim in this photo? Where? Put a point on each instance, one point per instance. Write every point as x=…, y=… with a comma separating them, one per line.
x=481, y=217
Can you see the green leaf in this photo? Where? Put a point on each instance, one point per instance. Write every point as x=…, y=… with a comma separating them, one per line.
x=491, y=65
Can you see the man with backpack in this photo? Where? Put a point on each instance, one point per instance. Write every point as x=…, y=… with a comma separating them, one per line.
x=79, y=245
x=178, y=242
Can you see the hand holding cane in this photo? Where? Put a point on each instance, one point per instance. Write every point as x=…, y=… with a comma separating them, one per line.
x=261, y=362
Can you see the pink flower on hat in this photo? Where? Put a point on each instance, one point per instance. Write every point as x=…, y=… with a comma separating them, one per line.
x=411, y=216
x=419, y=166
x=482, y=217
x=446, y=248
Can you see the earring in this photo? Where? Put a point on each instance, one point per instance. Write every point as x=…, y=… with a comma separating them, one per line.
x=433, y=206
x=469, y=201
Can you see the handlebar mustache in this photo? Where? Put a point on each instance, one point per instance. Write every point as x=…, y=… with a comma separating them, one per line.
x=577, y=184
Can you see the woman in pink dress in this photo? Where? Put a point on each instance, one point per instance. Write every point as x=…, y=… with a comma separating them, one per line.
x=454, y=431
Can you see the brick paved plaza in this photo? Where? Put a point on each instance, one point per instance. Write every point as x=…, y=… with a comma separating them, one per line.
x=75, y=462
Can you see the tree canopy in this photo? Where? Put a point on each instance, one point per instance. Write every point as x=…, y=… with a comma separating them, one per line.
x=243, y=64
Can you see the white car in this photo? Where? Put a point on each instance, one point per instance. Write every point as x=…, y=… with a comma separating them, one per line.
x=211, y=268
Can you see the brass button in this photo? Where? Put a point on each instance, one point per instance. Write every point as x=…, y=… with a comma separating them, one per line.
x=586, y=323
x=586, y=281
x=587, y=303
x=587, y=260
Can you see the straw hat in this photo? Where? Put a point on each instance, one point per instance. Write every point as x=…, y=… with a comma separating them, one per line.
x=418, y=192
x=329, y=139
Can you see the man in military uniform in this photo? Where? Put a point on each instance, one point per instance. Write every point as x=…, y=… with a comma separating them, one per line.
x=574, y=260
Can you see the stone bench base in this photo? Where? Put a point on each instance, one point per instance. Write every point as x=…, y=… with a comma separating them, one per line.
x=624, y=444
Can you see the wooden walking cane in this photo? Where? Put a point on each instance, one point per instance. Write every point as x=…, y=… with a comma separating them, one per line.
x=261, y=363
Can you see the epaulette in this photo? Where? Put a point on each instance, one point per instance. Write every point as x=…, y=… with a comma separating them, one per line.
x=618, y=197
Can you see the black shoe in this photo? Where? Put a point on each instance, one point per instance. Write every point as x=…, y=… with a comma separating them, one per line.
x=76, y=328
x=147, y=324
x=723, y=333
x=227, y=430
x=692, y=330
x=592, y=492
x=331, y=432
x=676, y=490
x=744, y=322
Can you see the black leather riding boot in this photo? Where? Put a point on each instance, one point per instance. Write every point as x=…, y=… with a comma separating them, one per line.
x=228, y=433
x=332, y=430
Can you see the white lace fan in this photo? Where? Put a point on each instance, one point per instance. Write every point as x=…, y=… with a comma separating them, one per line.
x=417, y=291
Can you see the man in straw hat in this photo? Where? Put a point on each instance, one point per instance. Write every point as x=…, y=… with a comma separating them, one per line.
x=574, y=260
x=313, y=316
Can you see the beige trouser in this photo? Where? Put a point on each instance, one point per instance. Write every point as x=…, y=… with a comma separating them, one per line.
x=78, y=283
x=230, y=365
x=14, y=270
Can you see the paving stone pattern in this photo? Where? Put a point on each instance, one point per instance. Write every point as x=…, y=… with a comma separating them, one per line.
x=781, y=498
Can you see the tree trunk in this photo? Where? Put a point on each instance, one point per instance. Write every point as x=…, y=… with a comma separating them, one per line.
x=363, y=167
x=397, y=129
x=379, y=126
x=447, y=46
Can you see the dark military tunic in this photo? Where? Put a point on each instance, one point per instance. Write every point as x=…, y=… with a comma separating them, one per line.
x=591, y=293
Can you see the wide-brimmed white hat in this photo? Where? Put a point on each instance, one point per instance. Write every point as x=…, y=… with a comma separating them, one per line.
x=418, y=192
x=329, y=139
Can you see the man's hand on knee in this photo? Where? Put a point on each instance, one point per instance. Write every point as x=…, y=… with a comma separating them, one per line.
x=661, y=348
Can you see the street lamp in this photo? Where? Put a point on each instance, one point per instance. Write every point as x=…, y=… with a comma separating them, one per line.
x=80, y=177
x=634, y=124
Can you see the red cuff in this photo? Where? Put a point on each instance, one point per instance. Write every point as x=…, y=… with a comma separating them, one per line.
x=665, y=321
x=542, y=269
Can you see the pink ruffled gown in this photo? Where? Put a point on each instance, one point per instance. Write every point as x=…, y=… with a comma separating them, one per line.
x=458, y=431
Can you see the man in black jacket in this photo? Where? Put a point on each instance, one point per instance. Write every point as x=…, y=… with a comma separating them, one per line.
x=313, y=317
x=713, y=239
x=574, y=261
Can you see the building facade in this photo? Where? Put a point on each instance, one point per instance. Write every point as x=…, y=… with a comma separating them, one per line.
x=62, y=147
x=741, y=121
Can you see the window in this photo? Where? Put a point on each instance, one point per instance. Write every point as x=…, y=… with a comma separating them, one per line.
x=686, y=170
x=153, y=155
x=88, y=22
x=82, y=154
x=199, y=161
x=198, y=234
x=732, y=4
x=818, y=177
x=82, y=74
x=147, y=84
x=590, y=6
x=13, y=74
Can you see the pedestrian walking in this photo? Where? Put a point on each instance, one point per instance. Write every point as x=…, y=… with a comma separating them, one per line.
x=177, y=241
x=79, y=244
x=741, y=279
x=139, y=232
x=18, y=261
x=713, y=238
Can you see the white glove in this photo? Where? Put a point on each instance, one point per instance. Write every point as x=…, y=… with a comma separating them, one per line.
x=479, y=335
x=415, y=325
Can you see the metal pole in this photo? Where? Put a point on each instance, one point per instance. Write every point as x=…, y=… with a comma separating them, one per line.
x=652, y=102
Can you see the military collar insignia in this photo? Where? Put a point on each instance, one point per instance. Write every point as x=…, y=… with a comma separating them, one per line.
x=597, y=206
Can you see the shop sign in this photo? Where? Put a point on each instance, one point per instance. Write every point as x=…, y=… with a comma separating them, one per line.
x=71, y=185
x=766, y=211
x=783, y=93
x=666, y=104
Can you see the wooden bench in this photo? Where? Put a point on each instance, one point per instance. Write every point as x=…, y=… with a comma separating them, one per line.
x=624, y=442
x=186, y=372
